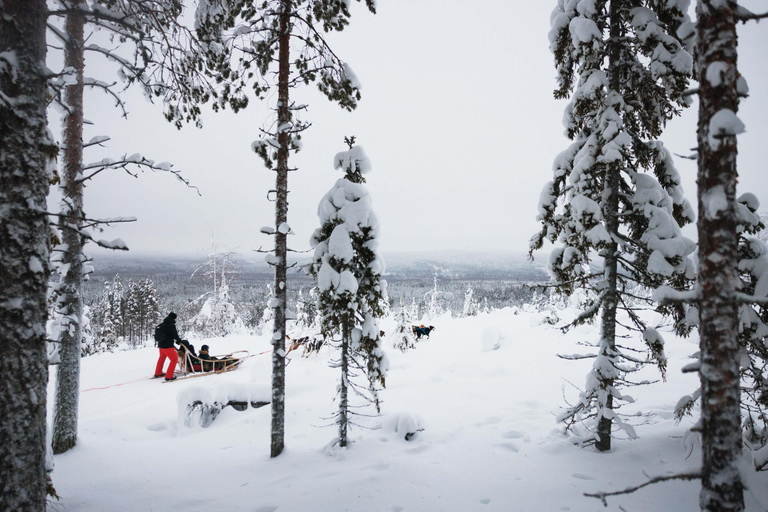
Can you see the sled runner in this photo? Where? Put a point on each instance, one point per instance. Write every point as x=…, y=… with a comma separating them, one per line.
x=191, y=365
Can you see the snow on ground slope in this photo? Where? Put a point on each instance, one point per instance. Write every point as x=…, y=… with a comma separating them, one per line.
x=490, y=442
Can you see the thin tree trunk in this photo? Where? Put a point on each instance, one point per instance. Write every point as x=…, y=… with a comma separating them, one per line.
x=70, y=300
x=281, y=217
x=24, y=237
x=344, y=386
x=722, y=488
x=610, y=254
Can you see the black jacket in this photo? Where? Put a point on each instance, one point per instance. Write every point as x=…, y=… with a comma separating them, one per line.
x=171, y=334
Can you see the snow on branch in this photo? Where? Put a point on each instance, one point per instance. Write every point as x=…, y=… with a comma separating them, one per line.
x=744, y=15
x=629, y=490
x=668, y=295
x=128, y=161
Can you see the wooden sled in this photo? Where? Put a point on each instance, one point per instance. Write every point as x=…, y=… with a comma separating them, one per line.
x=191, y=366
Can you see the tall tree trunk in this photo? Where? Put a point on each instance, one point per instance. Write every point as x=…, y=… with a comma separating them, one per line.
x=24, y=236
x=718, y=309
x=70, y=302
x=611, y=253
x=344, y=386
x=281, y=217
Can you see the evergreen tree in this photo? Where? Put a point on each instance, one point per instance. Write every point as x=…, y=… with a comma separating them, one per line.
x=753, y=324
x=25, y=153
x=404, y=340
x=283, y=39
x=348, y=272
x=470, y=304
x=752, y=254
x=625, y=70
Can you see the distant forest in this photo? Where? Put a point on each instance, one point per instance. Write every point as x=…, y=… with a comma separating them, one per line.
x=420, y=281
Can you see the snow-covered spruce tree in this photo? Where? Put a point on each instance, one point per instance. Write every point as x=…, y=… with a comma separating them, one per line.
x=753, y=327
x=752, y=255
x=282, y=39
x=217, y=309
x=219, y=316
x=348, y=272
x=25, y=151
x=626, y=71
x=404, y=340
x=470, y=304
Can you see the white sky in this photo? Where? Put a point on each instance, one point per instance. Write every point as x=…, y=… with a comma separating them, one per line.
x=457, y=117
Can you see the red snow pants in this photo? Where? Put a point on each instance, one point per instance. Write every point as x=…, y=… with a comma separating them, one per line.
x=167, y=353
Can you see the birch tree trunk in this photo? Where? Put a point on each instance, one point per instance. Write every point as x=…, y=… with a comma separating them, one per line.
x=718, y=309
x=281, y=216
x=70, y=303
x=24, y=151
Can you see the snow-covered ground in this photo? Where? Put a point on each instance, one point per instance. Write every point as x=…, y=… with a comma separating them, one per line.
x=490, y=441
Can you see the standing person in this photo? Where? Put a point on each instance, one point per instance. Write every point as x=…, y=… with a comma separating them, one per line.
x=167, y=348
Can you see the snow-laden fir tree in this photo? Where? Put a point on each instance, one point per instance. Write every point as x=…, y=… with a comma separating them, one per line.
x=348, y=271
x=26, y=149
x=752, y=253
x=278, y=45
x=403, y=337
x=753, y=327
x=615, y=206
x=470, y=303
x=219, y=315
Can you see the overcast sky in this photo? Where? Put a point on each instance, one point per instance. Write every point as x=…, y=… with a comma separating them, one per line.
x=457, y=117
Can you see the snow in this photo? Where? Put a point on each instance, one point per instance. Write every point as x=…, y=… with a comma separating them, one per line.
x=725, y=122
x=489, y=441
x=583, y=30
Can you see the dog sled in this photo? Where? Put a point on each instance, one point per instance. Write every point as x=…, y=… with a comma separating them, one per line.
x=191, y=365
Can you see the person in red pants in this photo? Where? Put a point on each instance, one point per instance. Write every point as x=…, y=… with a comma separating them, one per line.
x=167, y=348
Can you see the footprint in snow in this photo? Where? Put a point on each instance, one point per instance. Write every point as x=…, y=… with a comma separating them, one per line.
x=269, y=508
x=513, y=434
x=157, y=427
x=488, y=421
x=583, y=477
x=510, y=446
x=485, y=501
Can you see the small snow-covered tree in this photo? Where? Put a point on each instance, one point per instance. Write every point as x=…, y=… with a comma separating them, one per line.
x=404, y=340
x=348, y=271
x=626, y=70
x=219, y=316
x=470, y=304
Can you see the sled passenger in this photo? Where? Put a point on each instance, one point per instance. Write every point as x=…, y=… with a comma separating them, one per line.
x=205, y=357
x=166, y=347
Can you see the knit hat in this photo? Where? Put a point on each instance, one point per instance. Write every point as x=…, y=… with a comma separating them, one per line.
x=204, y=347
x=172, y=315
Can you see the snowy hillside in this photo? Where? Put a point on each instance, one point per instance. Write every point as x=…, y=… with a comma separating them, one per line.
x=489, y=439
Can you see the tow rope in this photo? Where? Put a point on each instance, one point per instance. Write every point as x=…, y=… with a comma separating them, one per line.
x=146, y=378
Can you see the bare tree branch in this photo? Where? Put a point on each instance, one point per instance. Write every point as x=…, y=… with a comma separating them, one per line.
x=680, y=476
